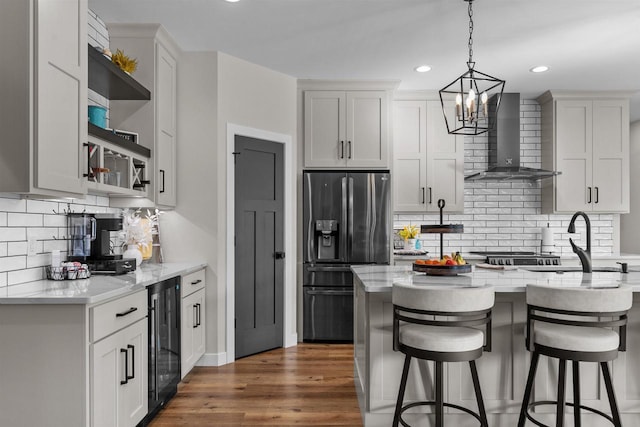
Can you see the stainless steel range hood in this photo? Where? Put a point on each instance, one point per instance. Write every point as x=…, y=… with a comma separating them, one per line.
x=504, y=145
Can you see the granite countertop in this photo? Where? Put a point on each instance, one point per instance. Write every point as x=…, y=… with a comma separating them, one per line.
x=379, y=278
x=97, y=289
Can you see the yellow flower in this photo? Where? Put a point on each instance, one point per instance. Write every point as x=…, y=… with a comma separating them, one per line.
x=409, y=232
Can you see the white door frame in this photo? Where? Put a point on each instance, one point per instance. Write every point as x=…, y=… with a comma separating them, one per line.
x=289, y=316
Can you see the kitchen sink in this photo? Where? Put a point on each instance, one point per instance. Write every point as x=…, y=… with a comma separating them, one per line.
x=567, y=269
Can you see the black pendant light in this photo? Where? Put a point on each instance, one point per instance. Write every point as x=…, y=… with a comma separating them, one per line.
x=471, y=92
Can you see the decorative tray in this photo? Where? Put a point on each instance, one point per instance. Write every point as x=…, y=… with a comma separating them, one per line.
x=442, y=228
x=442, y=270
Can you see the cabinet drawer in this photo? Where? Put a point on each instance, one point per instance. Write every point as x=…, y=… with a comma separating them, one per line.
x=112, y=316
x=192, y=282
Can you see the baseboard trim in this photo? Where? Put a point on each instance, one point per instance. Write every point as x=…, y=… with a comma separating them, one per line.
x=212, y=359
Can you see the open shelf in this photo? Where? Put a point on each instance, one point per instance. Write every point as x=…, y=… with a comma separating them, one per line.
x=111, y=137
x=110, y=81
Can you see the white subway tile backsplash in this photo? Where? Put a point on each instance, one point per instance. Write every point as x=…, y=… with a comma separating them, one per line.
x=13, y=205
x=10, y=263
x=16, y=248
x=23, y=276
x=12, y=234
x=24, y=220
x=4, y=249
x=506, y=215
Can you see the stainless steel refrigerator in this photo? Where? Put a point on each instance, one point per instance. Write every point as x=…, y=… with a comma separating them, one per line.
x=346, y=220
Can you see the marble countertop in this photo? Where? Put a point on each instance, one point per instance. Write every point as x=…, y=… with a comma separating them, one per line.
x=97, y=289
x=379, y=278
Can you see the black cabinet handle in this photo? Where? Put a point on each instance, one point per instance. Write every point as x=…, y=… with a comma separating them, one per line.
x=342, y=149
x=430, y=195
x=349, y=142
x=423, y=196
x=89, y=174
x=278, y=255
x=195, y=282
x=162, y=172
x=196, y=315
x=597, y=194
x=126, y=366
x=124, y=313
x=133, y=362
x=589, y=201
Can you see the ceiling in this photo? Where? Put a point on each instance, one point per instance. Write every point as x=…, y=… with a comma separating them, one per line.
x=588, y=44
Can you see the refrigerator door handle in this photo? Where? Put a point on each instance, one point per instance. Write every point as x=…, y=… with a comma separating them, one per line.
x=373, y=224
x=350, y=220
x=344, y=233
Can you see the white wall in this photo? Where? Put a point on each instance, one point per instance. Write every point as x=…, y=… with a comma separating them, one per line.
x=214, y=90
x=629, y=223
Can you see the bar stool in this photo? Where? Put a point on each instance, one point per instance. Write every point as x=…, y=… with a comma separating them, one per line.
x=575, y=324
x=436, y=323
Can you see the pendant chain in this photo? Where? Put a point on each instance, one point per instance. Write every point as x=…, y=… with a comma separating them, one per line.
x=470, y=63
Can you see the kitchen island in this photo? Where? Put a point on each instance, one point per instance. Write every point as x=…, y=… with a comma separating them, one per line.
x=502, y=371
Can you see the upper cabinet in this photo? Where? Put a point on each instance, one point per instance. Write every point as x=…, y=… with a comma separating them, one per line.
x=346, y=128
x=44, y=97
x=428, y=162
x=586, y=137
x=155, y=121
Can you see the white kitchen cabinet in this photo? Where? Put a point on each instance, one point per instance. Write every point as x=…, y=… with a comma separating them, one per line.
x=586, y=137
x=119, y=362
x=119, y=372
x=193, y=320
x=428, y=162
x=157, y=56
x=346, y=129
x=44, y=96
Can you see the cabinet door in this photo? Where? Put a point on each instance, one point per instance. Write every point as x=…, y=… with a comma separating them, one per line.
x=611, y=156
x=107, y=370
x=188, y=323
x=132, y=401
x=119, y=377
x=367, y=131
x=193, y=330
x=325, y=142
x=61, y=95
x=166, y=127
x=574, y=141
x=410, y=156
x=445, y=161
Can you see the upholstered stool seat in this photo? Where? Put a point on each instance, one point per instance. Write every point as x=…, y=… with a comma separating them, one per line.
x=580, y=324
x=441, y=324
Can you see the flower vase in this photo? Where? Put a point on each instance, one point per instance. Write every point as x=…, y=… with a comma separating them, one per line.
x=133, y=252
x=410, y=244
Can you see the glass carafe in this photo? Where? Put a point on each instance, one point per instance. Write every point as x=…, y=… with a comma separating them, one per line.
x=81, y=231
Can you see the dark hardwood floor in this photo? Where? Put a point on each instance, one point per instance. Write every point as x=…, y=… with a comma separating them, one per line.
x=306, y=385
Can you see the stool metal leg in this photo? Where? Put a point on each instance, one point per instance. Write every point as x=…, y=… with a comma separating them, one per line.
x=439, y=395
x=403, y=386
x=562, y=379
x=615, y=414
x=527, y=390
x=476, y=386
x=576, y=394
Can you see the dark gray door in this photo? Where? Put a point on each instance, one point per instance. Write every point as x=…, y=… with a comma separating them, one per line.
x=259, y=245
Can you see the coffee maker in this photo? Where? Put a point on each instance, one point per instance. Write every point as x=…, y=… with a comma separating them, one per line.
x=90, y=242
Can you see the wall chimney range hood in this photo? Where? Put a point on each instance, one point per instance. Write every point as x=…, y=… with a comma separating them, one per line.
x=504, y=145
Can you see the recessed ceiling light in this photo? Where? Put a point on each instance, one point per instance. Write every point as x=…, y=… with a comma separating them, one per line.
x=232, y=1
x=539, y=69
x=423, y=68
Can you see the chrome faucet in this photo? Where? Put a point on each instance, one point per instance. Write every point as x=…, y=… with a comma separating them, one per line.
x=584, y=255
